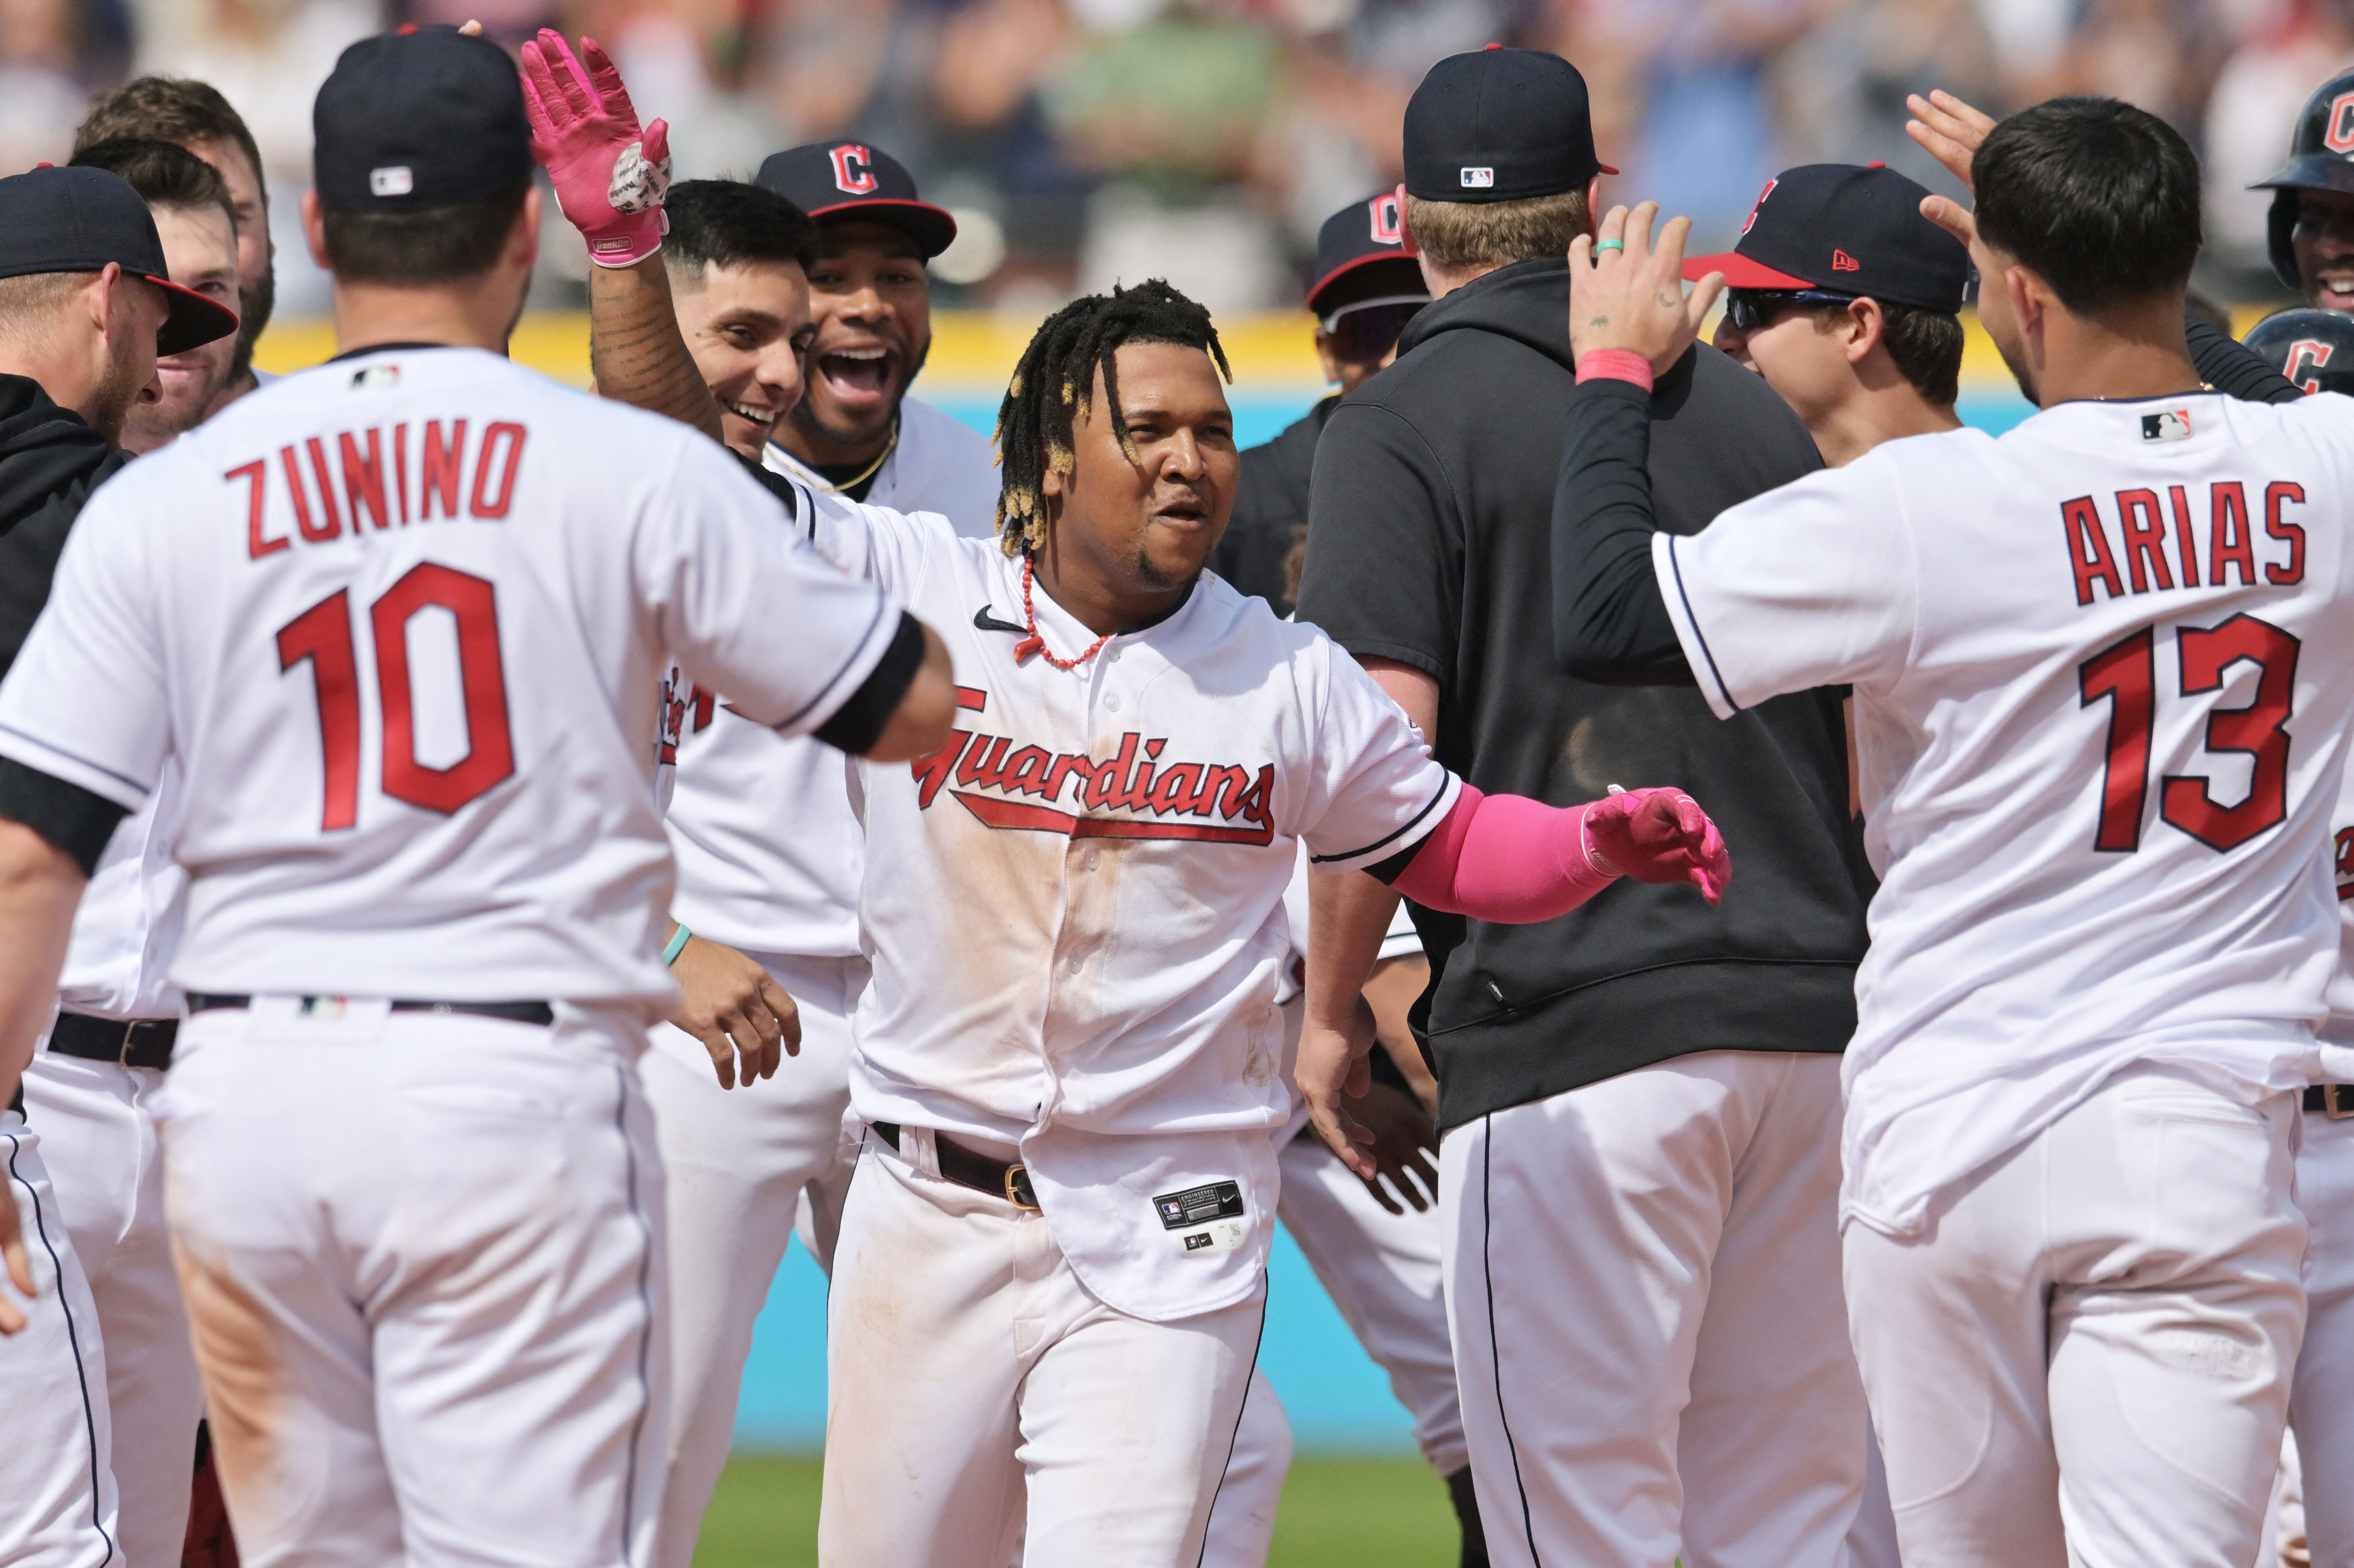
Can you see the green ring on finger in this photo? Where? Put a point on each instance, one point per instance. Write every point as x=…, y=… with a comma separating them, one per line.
x=1600, y=246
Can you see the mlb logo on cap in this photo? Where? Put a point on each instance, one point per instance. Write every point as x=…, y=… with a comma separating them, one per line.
x=1479, y=179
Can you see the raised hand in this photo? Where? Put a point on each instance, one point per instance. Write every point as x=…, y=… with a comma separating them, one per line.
x=1953, y=133
x=610, y=175
x=1626, y=294
x=1659, y=835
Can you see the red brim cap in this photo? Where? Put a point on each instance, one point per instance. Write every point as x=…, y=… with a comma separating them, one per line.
x=1741, y=272
x=195, y=320
x=930, y=226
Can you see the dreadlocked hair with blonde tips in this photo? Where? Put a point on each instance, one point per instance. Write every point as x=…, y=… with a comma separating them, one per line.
x=1054, y=382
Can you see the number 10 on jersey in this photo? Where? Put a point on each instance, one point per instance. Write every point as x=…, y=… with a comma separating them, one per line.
x=2125, y=674
x=323, y=636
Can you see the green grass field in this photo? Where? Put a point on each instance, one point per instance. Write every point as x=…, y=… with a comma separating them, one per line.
x=1337, y=1513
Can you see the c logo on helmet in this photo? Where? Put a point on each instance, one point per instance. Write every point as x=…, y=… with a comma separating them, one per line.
x=1769, y=191
x=1387, y=229
x=2337, y=135
x=2309, y=354
x=853, y=172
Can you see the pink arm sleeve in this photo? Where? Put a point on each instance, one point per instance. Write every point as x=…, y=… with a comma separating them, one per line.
x=1510, y=859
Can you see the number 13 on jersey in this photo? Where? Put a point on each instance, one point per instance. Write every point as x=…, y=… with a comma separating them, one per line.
x=2125, y=674
x=323, y=636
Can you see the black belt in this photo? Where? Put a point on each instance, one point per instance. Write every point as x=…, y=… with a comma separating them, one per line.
x=537, y=1012
x=2336, y=1100
x=962, y=1166
x=141, y=1043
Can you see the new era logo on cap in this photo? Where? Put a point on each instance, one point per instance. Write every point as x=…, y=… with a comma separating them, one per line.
x=1844, y=262
x=1479, y=179
x=398, y=180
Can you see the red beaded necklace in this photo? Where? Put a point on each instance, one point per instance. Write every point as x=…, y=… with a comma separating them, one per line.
x=1036, y=643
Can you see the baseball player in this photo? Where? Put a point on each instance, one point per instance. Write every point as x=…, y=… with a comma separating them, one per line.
x=193, y=115
x=88, y=1088
x=1067, y=1060
x=856, y=432
x=761, y=824
x=2309, y=232
x=2102, y=939
x=85, y=306
x=1366, y=289
x=398, y=622
x=2314, y=349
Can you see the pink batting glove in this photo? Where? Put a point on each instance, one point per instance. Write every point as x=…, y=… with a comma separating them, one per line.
x=611, y=178
x=1658, y=835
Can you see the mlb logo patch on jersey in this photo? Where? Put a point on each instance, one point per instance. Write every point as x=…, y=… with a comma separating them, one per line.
x=2170, y=425
x=1479, y=179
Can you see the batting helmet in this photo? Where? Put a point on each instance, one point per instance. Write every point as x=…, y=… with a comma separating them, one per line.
x=2313, y=348
x=2320, y=158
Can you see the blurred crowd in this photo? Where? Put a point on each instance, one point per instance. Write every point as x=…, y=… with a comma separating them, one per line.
x=1084, y=140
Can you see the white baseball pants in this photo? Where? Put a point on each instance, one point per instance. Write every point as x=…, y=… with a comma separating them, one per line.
x=101, y=1151
x=2321, y=1399
x=58, y=1507
x=738, y=1163
x=2087, y=1361
x=421, y=1257
x=1382, y=1271
x=1643, y=1279
x=978, y=1393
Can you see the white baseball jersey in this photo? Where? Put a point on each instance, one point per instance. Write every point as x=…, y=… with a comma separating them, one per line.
x=1075, y=910
x=941, y=464
x=400, y=620
x=2103, y=689
x=769, y=852
x=127, y=928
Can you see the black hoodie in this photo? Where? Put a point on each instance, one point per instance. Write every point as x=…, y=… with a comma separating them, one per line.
x=1270, y=513
x=49, y=462
x=1430, y=523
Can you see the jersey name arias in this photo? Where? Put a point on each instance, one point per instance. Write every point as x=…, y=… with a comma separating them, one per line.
x=1139, y=792
x=381, y=477
x=2199, y=535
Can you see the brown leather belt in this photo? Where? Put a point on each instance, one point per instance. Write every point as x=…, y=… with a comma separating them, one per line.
x=961, y=1165
x=134, y=1042
x=2333, y=1100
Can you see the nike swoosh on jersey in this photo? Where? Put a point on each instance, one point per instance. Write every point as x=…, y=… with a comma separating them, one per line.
x=988, y=623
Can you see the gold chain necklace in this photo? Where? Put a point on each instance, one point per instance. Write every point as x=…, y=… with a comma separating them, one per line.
x=868, y=472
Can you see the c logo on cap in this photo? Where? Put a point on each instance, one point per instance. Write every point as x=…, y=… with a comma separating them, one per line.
x=1760, y=202
x=853, y=172
x=2338, y=134
x=1387, y=229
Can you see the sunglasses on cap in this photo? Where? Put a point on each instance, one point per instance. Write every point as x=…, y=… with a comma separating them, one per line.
x=1749, y=310
x=1364, y=333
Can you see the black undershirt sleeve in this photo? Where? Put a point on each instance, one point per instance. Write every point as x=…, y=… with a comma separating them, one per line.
x=858, y=724
x=67, y=815
x=1609, y=623
x=2234, y=368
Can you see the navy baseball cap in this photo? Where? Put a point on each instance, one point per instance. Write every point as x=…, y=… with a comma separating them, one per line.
x=1360, y=253
x=1500, y=125
x=832, y=181
x=1846, y=229
x=2313, y=348
x=418, y=119
x=78, y=219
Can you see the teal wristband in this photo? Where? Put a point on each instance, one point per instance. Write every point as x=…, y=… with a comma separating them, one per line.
x=677, y=945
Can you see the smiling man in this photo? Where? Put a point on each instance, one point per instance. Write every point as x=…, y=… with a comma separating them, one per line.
x=196, y=221
x=856, y=432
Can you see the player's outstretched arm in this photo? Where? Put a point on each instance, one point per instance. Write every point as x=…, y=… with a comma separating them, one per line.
x=1629, y=319
x=39, y=886
x=1511, y=859
x=611, y=178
